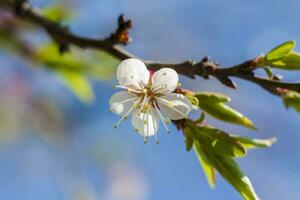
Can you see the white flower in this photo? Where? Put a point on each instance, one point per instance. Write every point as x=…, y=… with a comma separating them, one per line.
x=149, y=98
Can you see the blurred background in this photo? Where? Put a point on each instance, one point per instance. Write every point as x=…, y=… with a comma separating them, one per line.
x=57, y=140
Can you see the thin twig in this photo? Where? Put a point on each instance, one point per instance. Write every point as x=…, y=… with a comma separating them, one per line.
x=204, y=68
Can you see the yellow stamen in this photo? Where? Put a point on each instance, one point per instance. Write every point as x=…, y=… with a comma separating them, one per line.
x=170, y=105
x=167, y=121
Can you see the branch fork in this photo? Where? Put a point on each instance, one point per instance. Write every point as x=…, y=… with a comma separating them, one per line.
x=204, y=68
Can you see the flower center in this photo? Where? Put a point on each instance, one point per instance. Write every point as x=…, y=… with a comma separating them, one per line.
x=147, y=100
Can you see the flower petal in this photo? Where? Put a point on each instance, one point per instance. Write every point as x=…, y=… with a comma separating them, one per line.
x=174, y=106
x=146, y=124
x=121, y=102
x=133, y=73
x=164, y=81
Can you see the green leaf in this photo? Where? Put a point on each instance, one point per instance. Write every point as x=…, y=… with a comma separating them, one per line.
x=56, y=12
x=216, y=140
x=225, y=113
x=189, y=141
x=75, y=67
x=292, y=99
x=280, y=51
x=230, y=170
x=214, y=104
x=288, y=62
x=79, y=85
x=255, y=143
x=268, y=71
x=72, y=67
x=96, y=65
x=48, y=54
x=207, y=168
x=212, y=97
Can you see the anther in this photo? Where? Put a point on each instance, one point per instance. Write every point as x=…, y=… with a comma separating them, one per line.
x=167, y=121
x=145, y=140
x=169, y=104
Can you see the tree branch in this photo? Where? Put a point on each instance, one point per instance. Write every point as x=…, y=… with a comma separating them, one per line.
x=205, y=68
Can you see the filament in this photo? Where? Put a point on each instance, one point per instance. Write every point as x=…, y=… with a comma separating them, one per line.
x=127, y=88
x=125, y=101
x=166, y=102
x=162, y=118
x=128, y=112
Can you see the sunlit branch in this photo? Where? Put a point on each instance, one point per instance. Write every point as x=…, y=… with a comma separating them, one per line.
x=204, y=68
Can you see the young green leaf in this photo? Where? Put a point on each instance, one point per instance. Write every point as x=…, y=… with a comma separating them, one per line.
x=78, y=84
x=207, y=168
x=268, y=71
x=214, y=104
x=216, y=140
x=188, y=139
x=49, y=55
x=254, y=143
x=292, y=99
x=225, y=113
x=280, y=51
x=212, y=97
x=288, y=62
x=56, y=12
x=230, y=170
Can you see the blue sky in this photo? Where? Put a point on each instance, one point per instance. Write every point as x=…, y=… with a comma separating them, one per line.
x=115, y=164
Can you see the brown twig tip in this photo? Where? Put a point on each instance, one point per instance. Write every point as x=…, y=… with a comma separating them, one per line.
x=277, y=77
x=227, y=82
x=252, y=64
x=205, y=67
x=258, y=60
x=122, y=33
x=278, y=91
